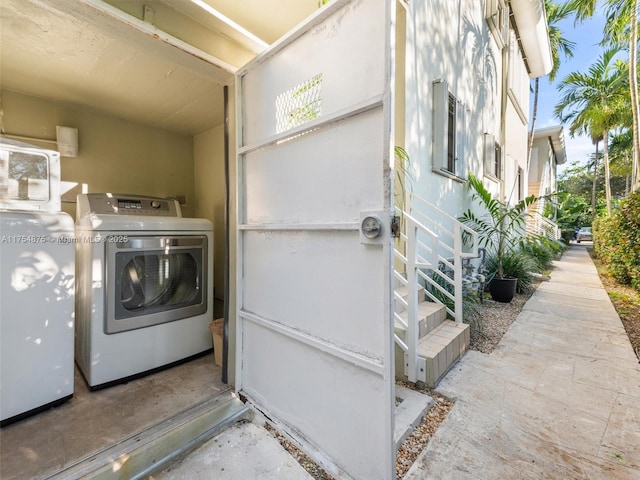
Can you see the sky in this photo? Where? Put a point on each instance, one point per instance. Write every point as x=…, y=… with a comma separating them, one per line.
x=586, y=51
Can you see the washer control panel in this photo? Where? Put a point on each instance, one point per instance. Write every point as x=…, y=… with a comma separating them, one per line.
x=122, y=204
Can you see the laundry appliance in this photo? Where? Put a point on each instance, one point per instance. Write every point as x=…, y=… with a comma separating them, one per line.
x=144, y=296
x=36, y=283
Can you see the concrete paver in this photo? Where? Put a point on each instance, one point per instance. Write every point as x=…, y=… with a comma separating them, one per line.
x=559, y=398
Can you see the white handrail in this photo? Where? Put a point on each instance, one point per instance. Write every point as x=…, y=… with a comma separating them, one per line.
x=417, y=207
x=542, y=226
x=444, y=246
x=412, y=228
x=427, y=246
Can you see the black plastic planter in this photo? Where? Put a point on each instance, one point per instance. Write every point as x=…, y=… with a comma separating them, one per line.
x=503, y=289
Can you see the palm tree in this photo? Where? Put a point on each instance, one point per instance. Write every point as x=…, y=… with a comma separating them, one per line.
x=559, y=44
x=620, y=158
x=633, y=87
x=594, y=187
x=622, y=25
x=593, y=103
x=622, y=29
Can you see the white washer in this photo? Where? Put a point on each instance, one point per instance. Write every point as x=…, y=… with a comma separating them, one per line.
x=36, y=283
x=144, y=296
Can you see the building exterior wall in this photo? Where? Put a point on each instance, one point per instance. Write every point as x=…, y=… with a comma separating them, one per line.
x=451, y=41
x=436, y=30
x=516, y=152
x=516, y=124
x=542, y=173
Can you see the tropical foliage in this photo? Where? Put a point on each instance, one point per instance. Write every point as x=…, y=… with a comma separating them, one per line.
x=617, y=241
x=573, y=205
x=515, y=264
x=501, y=228
x=594, y=103
x=621, y=35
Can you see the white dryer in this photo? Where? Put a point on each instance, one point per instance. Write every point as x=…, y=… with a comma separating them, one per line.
x=144, y=296
x=36, y=283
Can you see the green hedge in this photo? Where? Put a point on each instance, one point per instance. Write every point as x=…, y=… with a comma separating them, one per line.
x=617, y=241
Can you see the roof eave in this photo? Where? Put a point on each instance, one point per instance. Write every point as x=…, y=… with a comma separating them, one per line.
x=555, y=135
x=533, y=33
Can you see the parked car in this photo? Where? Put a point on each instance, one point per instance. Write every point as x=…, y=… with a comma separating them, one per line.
x=584, y=234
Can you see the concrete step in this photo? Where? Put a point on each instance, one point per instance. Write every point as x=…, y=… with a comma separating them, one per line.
x=403, y=291
x=151, y=450
x=430, y=316
x=244, y=451
x=438, y=351
x=442, y=348
x=410, y=408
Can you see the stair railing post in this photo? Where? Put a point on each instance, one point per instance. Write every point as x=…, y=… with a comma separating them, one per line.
x=457, y=272
x=412, y=299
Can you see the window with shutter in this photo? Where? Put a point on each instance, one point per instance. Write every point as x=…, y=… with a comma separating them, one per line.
x=449, y=131
x=497, y=15
x=492, y=157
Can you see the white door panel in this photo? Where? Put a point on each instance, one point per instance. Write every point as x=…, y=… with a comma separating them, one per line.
x=316, y=177
x=324, y=397
x=298, y=263
x=315, y=333
x=329, y=50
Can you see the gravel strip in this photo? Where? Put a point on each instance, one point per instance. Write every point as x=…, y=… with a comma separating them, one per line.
x=408, y=451
x=494, y=320
x=412, y=447
x=303, y=459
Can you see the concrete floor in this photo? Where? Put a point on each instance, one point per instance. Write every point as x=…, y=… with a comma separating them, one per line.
x=42, y=445
x=248, y=451
x=243, y=451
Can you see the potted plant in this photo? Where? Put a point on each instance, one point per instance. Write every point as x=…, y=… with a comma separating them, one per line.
x=501, y=229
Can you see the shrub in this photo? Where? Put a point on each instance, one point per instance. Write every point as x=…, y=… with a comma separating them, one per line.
x=516, y=264
x=542, y=254
x=567, y=235
x=617, y=241
x=609, y=246
x=544, y=250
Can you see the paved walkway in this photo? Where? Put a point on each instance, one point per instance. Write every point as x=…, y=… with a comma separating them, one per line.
x=559, y=398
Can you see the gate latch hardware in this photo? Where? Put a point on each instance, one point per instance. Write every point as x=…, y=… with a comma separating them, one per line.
x=395, y=226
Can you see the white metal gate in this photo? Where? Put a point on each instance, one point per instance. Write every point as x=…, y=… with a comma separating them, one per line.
x=315, y=333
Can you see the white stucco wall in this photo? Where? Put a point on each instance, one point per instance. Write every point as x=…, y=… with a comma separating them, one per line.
x=517, y=121
x=450, y=40
x=515, y=147
x=440, y=45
